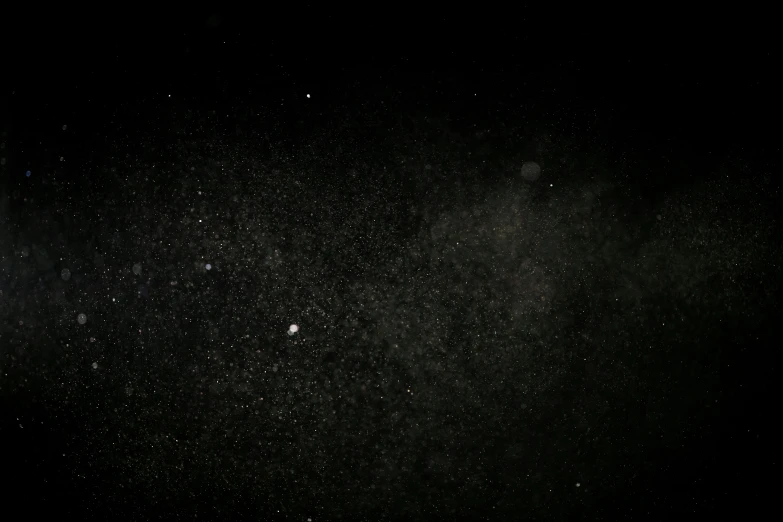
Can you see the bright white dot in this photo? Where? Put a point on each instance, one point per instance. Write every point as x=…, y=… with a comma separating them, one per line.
x=208, y=266
x=308, y=96
x=95, y=366
x=293, y=329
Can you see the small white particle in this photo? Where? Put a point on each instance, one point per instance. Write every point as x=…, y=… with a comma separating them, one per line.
x=308, y=96
x=293, y=329
x=208, y=266
x=95, y=366
x=579, y=484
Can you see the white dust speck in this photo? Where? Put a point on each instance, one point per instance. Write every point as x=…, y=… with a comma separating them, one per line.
x=137, y=268
x=65, y=274
x=293, y=329
x=95, y=366
x=81, y=318
x=578, y=484
x=208, y=266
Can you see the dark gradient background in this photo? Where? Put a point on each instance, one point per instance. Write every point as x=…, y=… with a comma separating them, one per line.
x=599, y=344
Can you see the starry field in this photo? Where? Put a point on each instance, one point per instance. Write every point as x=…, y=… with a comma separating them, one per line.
x=412, y=294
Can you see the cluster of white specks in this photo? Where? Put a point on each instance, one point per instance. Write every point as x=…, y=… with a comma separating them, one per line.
x=208, y=266
x=81, y=318
x=293, y=329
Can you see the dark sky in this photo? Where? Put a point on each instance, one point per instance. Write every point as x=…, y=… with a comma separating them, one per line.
x=388, y=266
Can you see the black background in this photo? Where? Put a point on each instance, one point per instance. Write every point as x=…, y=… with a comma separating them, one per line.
x=655, y=86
